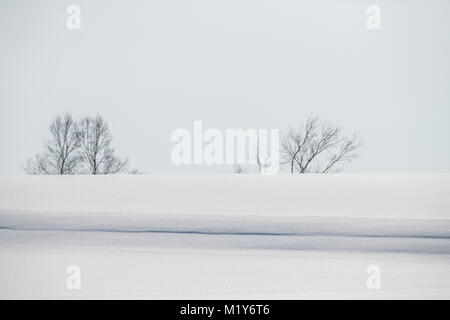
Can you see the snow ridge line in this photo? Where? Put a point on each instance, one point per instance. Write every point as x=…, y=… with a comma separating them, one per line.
x=245, y=225
x=312, y=234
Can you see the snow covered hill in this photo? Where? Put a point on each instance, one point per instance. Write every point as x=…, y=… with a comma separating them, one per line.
x=225, y=236
x=342, y=195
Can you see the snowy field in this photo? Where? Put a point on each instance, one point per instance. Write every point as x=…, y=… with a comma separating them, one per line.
x=225, y=236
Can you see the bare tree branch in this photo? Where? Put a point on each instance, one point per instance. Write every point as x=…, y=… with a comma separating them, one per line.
x=77, y=147
x=60, y=155
x=240, y=169
x=317, y=146
x=95, y=147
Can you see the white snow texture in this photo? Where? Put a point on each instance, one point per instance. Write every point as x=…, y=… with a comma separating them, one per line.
x=225, y=236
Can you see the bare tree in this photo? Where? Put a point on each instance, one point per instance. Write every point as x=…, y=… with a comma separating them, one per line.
x=134, y=171
x=240, y=169
x=318, y=146
x=60, y=155
x=95, y=147
x=262, y=160
x=37, y=165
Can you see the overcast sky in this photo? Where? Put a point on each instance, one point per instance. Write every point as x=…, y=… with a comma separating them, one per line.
x=150, y=67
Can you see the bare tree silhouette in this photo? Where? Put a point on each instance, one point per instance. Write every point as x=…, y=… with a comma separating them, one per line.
x=95, y=147
x=60, y=155
x=262, y=159
x=318, y=146
x=240, y=169
x=82, y=146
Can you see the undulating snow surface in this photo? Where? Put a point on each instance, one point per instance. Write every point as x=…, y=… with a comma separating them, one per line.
x=225, y=236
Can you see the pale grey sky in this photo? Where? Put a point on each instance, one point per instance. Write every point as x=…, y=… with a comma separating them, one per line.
x=150, y=67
